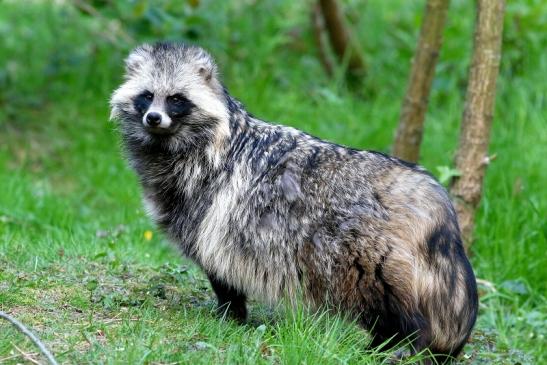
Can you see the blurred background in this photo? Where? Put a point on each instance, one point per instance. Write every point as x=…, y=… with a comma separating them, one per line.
x=67, y=197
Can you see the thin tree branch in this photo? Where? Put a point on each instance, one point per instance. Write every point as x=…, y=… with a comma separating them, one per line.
x=478, y=111
x=340, y=37
x=24, y=330
x=410, y=130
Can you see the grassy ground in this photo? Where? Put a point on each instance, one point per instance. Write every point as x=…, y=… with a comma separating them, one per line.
x=82, y=266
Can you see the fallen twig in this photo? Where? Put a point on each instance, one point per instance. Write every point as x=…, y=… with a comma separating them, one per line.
x=24, y=330
x=27, y=356
x=4, y=359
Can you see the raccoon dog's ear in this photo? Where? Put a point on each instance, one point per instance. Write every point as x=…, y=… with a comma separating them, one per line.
x=208, y=71
x=207, y=67
x=203, y=72
x=136, y=58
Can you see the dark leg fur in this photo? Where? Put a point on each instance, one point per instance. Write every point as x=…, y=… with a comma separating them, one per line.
x=393, y=329
x=397, y=329
x=230, y=301
x=395, y=324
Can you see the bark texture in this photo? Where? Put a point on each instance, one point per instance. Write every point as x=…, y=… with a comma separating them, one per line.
x=340, y=38
x=410, y=130
x=472, y=155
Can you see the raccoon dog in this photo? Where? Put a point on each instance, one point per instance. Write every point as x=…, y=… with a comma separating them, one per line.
x=269, y=211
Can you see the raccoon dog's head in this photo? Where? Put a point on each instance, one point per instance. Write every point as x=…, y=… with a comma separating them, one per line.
x=171, y=98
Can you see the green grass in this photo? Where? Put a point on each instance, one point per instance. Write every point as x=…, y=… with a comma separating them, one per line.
x=76, y=266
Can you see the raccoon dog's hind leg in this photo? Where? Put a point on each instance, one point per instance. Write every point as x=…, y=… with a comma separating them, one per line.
x=398, y=323
x=396, y=316
x=231, y=302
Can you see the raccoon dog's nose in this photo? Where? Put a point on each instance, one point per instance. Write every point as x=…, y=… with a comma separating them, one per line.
x=153, y=119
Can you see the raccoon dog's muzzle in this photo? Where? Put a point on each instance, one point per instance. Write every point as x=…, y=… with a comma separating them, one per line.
x=157, y=121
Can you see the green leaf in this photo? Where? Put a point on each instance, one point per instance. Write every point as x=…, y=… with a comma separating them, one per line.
x=446, y=174
x=91, y=285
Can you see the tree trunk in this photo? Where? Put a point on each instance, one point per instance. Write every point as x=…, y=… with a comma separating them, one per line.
x=318, y=24
x=471, y=157
x=342, y=43
x=409, y=133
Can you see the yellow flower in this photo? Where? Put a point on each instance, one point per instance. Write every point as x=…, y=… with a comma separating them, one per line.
x=148, y=235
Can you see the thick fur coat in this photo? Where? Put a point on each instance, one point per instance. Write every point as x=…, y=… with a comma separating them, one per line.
x=271, y=212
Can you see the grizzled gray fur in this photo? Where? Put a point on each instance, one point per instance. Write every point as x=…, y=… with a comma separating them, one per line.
x=269, y=211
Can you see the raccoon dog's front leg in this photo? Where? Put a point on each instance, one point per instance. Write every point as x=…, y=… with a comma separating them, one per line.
x=230, y=300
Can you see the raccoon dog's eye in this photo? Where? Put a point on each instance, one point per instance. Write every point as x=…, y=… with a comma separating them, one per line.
x=142, y=101
x=178, y=105
x=177, y=99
